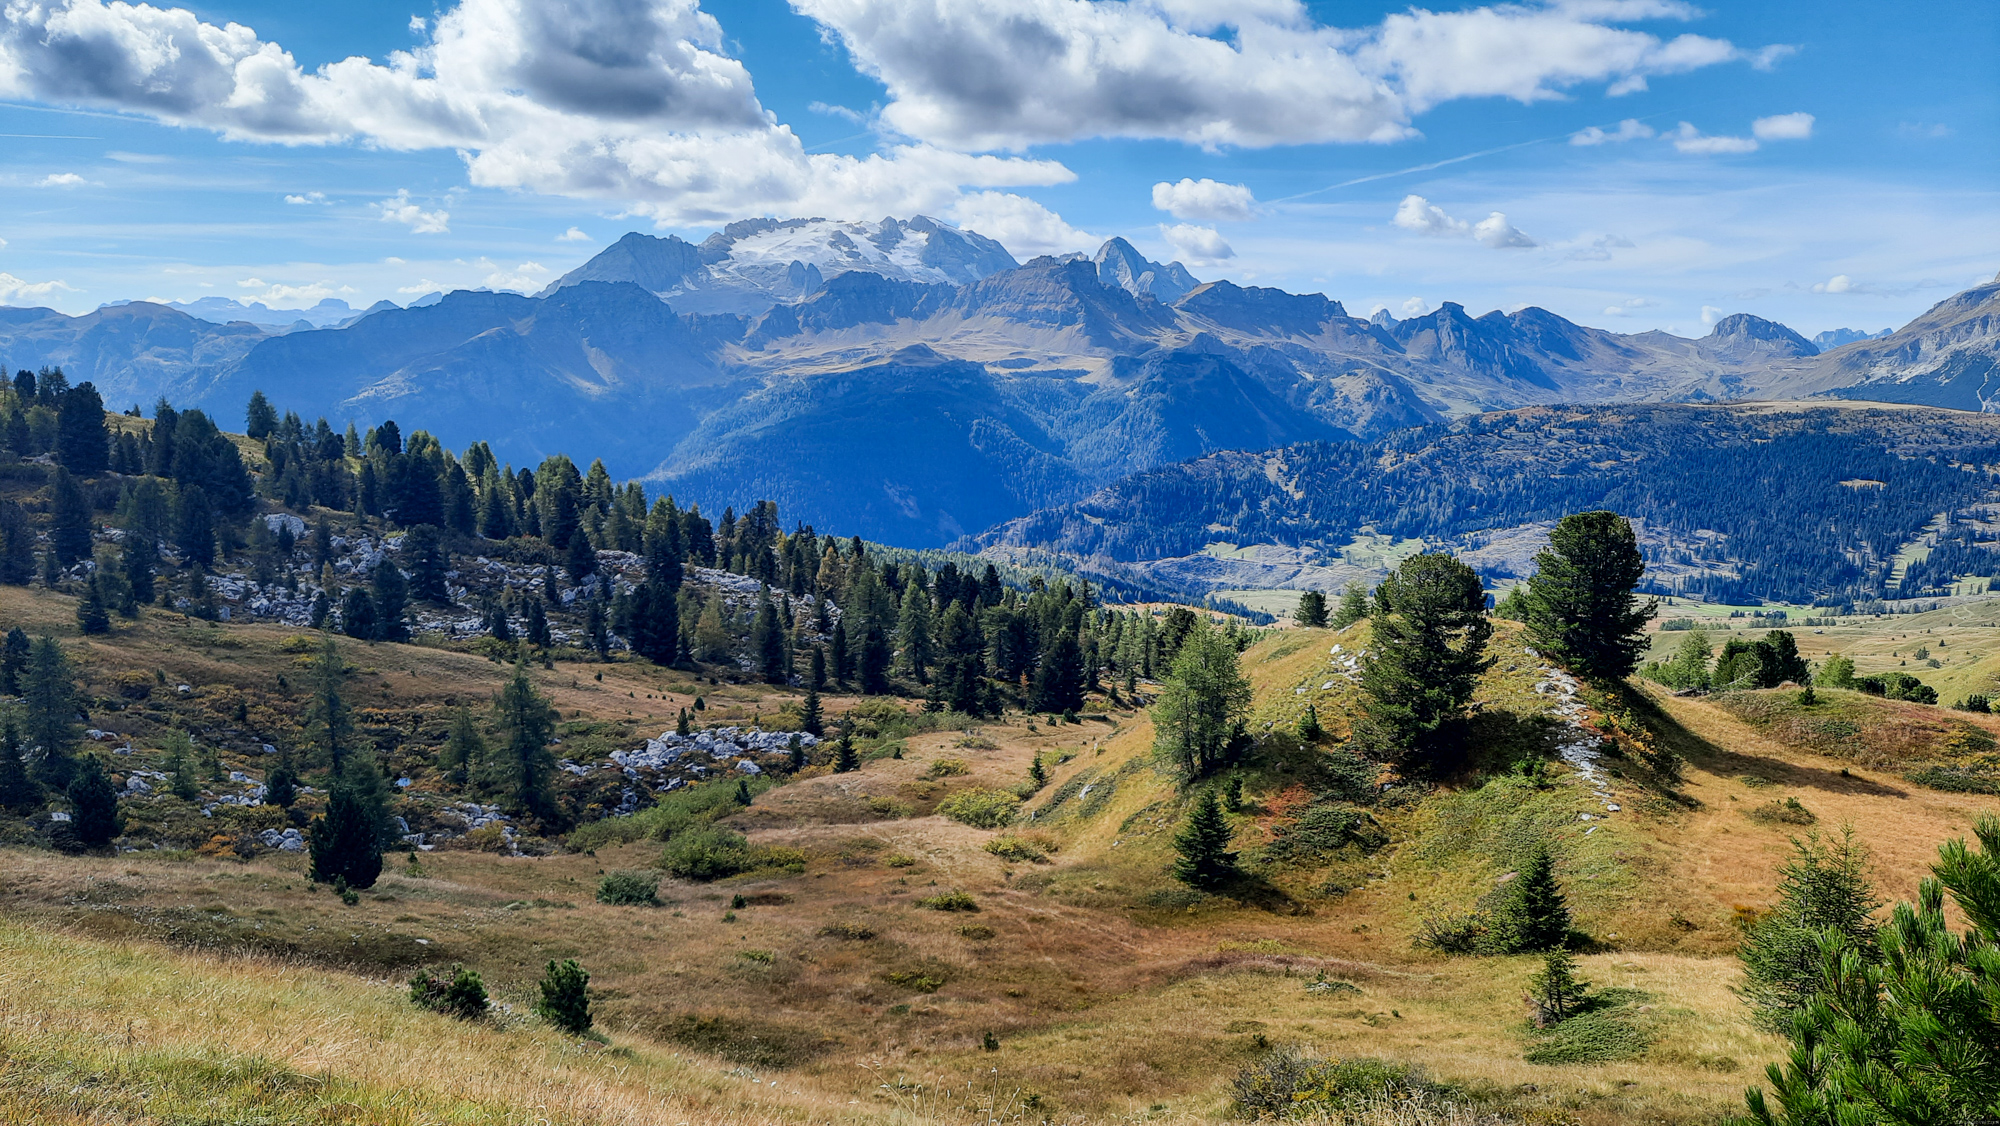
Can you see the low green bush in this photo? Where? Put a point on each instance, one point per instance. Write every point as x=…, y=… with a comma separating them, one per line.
x=953, y=900
x=629, y=889
x=458, y=992
x=981, y=809
x=1289, y=1083
x=707, y=854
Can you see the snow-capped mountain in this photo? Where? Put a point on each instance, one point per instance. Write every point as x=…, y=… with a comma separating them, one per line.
x=749, y=266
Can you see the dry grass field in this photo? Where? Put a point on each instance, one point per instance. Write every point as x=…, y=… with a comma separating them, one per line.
x=1084, y=986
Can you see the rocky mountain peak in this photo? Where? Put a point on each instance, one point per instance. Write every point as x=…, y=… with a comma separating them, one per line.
x=1740, y=334
x=1121, y=266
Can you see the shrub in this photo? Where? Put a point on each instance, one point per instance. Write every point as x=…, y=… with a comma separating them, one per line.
x=1321, y=831
x=981, y=809
x=853, y=932
x=1957, y=780
x=1598, y=1036
x=899, y=860
x=707, y=854
x=629, y=889
x=1454, y=932
x=1787, y=812
x=922, y=981
x=565, y=1000
x=977, y=932
x=947, y=768
x=953, y=900
x=674, y=813
x=1288, y=1083
x=1014, y=848
x=460, y=993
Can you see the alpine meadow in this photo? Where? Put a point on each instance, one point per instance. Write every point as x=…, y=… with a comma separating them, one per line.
x=951, y=563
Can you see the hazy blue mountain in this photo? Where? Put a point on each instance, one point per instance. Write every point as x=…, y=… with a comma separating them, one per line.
x=133, y=353
x=1835, y=337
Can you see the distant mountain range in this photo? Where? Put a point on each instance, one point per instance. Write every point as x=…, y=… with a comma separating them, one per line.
x=946, y=387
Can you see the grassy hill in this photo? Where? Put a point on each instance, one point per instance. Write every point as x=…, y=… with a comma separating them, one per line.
x=196, y=985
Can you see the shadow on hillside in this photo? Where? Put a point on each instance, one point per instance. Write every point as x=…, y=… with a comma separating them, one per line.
x=1255, y=891
x=1723, y=761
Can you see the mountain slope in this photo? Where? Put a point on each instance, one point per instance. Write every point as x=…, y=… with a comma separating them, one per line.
x=133, y=353
x=1944, y=358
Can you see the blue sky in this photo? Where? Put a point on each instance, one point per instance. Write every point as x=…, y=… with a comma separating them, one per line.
x=1824, y=164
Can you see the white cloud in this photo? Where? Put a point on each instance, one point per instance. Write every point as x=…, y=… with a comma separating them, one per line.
x=1838, y=283
x=1204, y=199
x=1013, y=73
x=1630, y=129
x=12, y=288
x=525, y=277
x=837, y=111
x=1626, y=306
x=1690, y=140
x=1418, y=214
x=307, y=199
x=1496, y=232
x=139, y=157
x=1200, y=245
x=1783, y=127
x=3, y=244
x=251, y=283
x=1414, y=307
x=60, y=180
x=418, y=25
x=295, y=296
x=630, y=100
x=399, y=209
x=1600, y=249
x=423, y=286
x=574, y=234
x=1020, y=224
x=1710, y=314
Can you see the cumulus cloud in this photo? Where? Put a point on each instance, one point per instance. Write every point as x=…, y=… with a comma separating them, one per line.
x=1006, y=74
x=1838, y=283
x=632, y=100
x=399, y=209
x=1630, y=129
x=1496, y=232
x=424, y=285
x=1418, y=214
x=60, y=180
x=1415, y=307
x=1626, y=306
x=574, y=234
x=1783, y=127
x=1599, y=249
x=1201, y=245
x=13, y=288
x=1020, y=224
x=1692, y=141
x=1204, y=199
x=307, y=199
x=1710, y=314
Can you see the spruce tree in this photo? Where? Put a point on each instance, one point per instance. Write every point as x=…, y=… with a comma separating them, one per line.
x=91, y=616
x=1310, y=730
x=843, y=661
x=565, y=1000
x=527, y=768
x=817, y=680
x=537, y=631
x=1557, y=992
x=357, y=614
x=1581, y=609
x=329, y=724
x=1353, y=607
x=391, y=596
x=18, y=792
x=1312, y=610
x=181, y=780
x=423, y=550
x=1822, y=890
x=767, y=643
x=281, y=785
x=581, y=561
x=140, y=558
x=1058, y=687
x=17, y=545
x=1533, y=916
x=914, y=634
x=345, y=842
x=82, y=445
x=260, y=418
x=795, y=751
x=595, y=629
x=1203, y=843
x=194, y=528
x=464, y=753
x=93, y=803
x=844, y=759
x=14, y=653
x=69, y=519
x=1429, y=647
x=48, y=696
x=811, y=721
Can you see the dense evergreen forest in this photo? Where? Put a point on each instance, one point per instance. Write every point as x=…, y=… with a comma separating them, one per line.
x=385, y=535
x=1805, y=505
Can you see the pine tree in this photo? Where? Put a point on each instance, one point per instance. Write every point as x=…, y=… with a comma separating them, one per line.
x=527, y=768
x=1353, y=607
x=69, y=519
x=357, y=615
x=1203, y=843
x=913, y=634
x=329, y=724
x=14, y=654
x=843, y=661
x=17, y=545
x=91, y=616
x=261, y=418
x=595, y=630
x=464, y=753
x=795, y=752
x=1581, y=609
x=1428, y=649
x=18, y=792
x=844, y=758
x=1202, y=702
x=181, y=781
x=1557, y=992
x=565, y=1000
x=767, y=640
x=281, y=785
x=93, y=804
x=743, y=791
x=537, y=631
x=1038, y=775
x=581, y=560
x=1823, y=889
x=1312, y=610
x=811, y=721
x=1058, y=687
x=1533, y=916
x=391, y=596
x=194, y=528
x=818, y=679
x=1310, y=730
x=345, y=842
x=48, y=693
x=82, y=445
x=423, y=550
x=140, y=559
x=684, y=724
